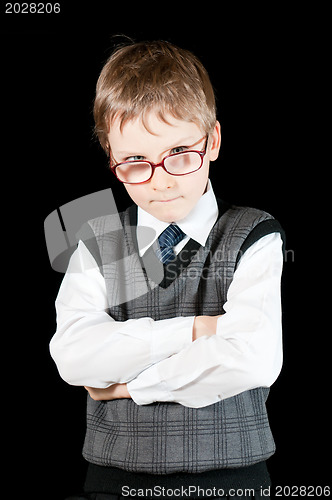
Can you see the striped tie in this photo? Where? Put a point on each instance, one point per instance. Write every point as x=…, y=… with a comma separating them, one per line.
x=167, y=240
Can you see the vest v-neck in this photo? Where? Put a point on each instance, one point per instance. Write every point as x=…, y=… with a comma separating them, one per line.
x=165, y=274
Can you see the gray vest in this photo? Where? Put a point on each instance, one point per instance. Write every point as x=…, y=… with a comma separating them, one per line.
x=164, y=438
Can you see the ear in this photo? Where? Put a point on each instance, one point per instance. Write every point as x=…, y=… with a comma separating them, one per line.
x=215, y=142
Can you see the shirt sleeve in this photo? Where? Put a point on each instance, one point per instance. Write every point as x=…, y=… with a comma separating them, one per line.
x=90, y=348
x=246, y=351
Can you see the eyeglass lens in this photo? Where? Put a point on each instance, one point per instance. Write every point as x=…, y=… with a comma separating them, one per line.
x=178, y=164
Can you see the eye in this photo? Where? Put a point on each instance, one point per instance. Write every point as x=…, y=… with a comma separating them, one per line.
x=178, y=149
x=135, y=158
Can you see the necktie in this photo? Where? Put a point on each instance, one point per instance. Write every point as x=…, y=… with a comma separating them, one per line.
x=167, y=240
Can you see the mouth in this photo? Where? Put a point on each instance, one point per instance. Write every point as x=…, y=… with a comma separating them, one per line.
x=169, y=200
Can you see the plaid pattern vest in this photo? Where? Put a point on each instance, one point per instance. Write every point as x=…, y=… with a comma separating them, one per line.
x=164, y=438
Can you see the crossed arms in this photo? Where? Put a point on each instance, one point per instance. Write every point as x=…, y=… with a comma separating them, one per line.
x=202, y=326
x=194, y=361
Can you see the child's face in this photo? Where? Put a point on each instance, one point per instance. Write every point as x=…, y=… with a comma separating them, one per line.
x=167, y=197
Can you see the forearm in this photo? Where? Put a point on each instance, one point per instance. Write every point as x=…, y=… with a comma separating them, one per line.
x=203, y=326
x=210, y=370
x=97, y=351
x=90, y=348
x=246, y=351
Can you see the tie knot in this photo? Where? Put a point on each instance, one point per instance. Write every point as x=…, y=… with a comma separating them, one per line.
x=167, y=240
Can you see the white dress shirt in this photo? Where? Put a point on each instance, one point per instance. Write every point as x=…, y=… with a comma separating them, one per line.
x=157, y=359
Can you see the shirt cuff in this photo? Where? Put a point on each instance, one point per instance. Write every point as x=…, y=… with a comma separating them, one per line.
x=148, y=387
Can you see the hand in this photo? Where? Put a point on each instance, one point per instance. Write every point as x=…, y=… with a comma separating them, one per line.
x=115, y=391
x=205, y=326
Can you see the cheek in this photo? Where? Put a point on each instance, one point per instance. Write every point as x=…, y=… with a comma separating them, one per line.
x=197, y=183
x=137, y=194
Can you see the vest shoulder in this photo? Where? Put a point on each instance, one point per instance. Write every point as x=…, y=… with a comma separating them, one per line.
x=246, y=225
x=249, y=214
x=240, y=219
x=261, y=223
x=105, y=223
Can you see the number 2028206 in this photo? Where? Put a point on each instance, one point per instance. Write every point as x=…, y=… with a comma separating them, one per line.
x=32, y=8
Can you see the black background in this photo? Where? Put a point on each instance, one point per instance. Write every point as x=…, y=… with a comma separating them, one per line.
x=264, y=64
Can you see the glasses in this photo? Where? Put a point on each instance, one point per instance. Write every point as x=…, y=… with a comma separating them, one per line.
x=138, y=172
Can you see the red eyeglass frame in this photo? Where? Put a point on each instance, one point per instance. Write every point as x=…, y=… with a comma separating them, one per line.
x=161, y=164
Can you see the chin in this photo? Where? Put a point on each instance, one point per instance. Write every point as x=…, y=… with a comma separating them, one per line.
x=165, y=217
x=171, y=215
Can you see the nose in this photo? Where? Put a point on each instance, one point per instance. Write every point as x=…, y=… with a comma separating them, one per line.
x=161, y=179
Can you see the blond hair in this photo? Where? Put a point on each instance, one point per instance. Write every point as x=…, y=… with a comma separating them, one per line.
x=153, y=76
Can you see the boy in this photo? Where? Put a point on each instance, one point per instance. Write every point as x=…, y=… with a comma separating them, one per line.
x=169, y=314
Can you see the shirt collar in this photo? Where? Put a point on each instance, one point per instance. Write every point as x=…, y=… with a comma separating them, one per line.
x=197, y=225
